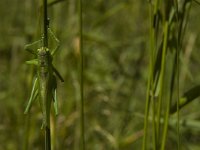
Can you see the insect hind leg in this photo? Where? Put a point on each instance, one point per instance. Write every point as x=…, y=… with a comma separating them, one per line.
x=54, y=95
x=33, y=97
x=58, y=74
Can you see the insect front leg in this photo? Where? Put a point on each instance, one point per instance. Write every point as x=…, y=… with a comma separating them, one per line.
x=29, y=48
x=33, y=97
x=32, y=62
x=55, y=39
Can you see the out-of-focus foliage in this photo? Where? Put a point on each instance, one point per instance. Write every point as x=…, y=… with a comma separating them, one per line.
x=116, y=58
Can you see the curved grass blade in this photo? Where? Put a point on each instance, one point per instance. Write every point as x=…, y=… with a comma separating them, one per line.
x=187, y=98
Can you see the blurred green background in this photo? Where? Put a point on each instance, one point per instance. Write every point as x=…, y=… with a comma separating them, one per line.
x=116, y=58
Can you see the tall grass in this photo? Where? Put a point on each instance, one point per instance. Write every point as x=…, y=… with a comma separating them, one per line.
x=115, y=60
x=167, y=24
x=82, y=127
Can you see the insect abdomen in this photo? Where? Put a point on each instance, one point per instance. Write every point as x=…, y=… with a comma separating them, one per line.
x=44, y=79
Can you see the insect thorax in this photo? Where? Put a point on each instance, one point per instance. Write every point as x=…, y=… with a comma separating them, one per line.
x=44, y=60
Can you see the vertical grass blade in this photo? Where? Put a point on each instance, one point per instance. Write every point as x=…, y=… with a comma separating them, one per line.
x=81, y=78
x=149, y=84
x=177, y=63
x=47, y=139
x=45, y=44
x=45, y=23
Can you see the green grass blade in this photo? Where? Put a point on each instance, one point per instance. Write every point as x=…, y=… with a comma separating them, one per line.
x=162, y=72
x=188, y=97
x=81, y=78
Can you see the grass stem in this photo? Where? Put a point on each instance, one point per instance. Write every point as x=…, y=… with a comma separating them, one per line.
x=45, y=44
x=47, y=139
x=177, y=63
x=81, y=78
x=162, y=75
x=45, y=23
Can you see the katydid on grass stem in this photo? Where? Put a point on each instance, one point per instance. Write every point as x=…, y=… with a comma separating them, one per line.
x=45, y=84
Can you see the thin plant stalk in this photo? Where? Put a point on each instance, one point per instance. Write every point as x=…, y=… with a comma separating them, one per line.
x=147, y=104
x=45, y=44
x=178, y=96
x=163, y=62
x=152, y=37
x=165, y=129
x=45, y=23
x=81, y=78
x=146, y=120
x=177, y=63
x=154, y=28
x=53, y=132
x=154, y=31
